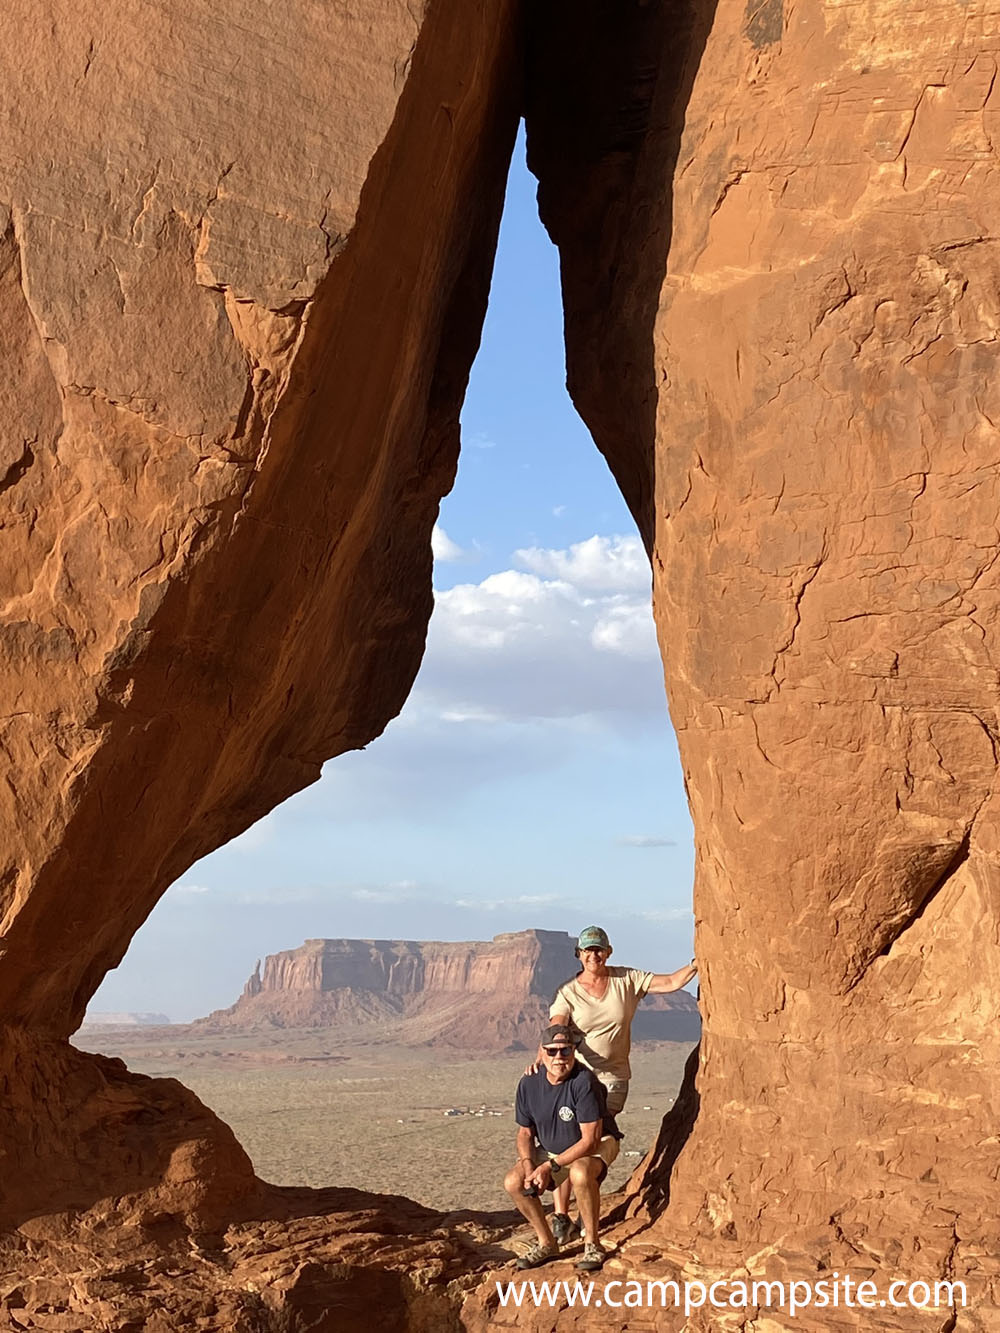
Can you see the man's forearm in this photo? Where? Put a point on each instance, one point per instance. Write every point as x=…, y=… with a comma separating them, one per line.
x=525, y=1146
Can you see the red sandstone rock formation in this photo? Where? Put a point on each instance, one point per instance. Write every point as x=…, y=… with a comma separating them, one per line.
x=491, y=996
x=235, y=360
x=328, y=1261
x=782, y=284
x=244, y=259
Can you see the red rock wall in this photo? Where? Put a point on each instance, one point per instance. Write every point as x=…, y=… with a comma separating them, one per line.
x=244, y=259
x=229, y=419
x=228, y=427
x=809, y=211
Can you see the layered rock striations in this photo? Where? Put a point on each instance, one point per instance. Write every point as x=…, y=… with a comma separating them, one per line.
x=487, y=995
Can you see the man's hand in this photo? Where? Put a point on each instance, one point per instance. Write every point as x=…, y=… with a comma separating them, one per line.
x=541, y=1177
x=533, y=1068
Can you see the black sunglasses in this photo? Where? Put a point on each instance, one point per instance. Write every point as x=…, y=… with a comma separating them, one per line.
x=558, y=1050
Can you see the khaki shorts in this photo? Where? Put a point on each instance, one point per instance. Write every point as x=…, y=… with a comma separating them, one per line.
x=607, y=1151
x=617, y=1090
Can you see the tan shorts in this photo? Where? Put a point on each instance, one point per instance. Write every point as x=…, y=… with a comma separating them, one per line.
x=617, y=1090
x=607, y=1151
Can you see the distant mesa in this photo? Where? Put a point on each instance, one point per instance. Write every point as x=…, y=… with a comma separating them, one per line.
x=106, y=1020
x=492, y=995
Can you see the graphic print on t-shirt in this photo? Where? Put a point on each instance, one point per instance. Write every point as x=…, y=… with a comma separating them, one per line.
x=555, y=1111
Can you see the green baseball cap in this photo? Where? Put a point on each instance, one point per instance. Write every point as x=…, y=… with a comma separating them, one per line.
x=593, y=937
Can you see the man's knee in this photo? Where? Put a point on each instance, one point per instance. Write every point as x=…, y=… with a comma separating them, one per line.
x=513, y=1181
x=584, y=1169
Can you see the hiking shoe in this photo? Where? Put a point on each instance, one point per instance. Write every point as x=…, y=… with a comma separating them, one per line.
x=562, y=1227
x=592, y=1259
x=537, y=1255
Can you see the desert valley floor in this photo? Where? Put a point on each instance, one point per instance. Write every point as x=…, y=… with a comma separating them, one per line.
x=310, y=1111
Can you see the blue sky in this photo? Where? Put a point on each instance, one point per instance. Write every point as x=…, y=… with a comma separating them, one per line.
x=532, y=779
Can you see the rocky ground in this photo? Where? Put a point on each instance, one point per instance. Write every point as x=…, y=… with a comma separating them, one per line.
x=312, y=1112
x=325, y=1258
x=334, y=1259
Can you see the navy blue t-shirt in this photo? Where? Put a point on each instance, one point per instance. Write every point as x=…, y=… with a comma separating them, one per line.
x=555, y=1111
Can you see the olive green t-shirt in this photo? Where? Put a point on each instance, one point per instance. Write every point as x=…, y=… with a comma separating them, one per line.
x=606, y=1024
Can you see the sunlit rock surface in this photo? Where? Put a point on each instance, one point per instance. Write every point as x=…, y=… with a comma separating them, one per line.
x=800, y=207
x=244, y=264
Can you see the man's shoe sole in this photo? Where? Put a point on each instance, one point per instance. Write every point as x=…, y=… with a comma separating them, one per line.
x=536, y=1263
x=585, y=1265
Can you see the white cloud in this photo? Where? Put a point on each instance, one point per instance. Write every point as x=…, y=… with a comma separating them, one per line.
x=605, y=564
x=645, y=840
x=471, y=714
x=624, y=628
x=378, y=896
x=497, y=904
x=666, y=914
x=397, y=891
x=442, y=546
x=191, y=888
x=519, y=645
x=558, y=511
x=522, y=674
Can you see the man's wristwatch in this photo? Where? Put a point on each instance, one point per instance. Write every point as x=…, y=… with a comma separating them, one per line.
x=553, y=1163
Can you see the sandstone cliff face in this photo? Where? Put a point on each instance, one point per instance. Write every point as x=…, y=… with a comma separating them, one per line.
x=799, y=222
x=244, y=257
x=229, y=423
x=235, y=360
x=532, y=961
x=491, y=995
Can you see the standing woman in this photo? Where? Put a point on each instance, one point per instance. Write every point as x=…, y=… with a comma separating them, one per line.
x=600, y=1002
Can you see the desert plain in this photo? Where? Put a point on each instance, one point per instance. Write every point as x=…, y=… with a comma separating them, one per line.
x=311, y=1109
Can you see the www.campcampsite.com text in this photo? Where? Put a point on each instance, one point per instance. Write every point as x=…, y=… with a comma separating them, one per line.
x=837, y=1292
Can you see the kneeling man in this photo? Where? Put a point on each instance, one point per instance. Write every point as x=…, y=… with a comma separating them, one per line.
x=564, y=1108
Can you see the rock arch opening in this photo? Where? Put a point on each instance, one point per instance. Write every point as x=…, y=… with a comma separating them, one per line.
x=541, y=673
x=799, y=407
x=530, y=785
x=162, y=673
x=172, y=696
